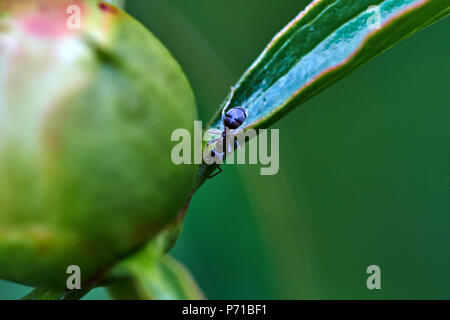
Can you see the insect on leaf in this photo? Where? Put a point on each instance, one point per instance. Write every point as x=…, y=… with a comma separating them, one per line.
x=325, y=42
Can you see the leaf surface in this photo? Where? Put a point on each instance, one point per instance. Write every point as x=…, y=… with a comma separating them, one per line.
x=321, y=45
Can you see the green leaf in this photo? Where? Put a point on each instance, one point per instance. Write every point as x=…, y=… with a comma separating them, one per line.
x=325, y=42
x=151, y=275
x=321, y=45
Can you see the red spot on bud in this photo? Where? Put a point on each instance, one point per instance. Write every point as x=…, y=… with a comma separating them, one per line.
x=44, y=26
x=107, y=8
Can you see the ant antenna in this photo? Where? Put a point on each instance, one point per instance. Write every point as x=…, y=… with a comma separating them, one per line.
x=228, y=103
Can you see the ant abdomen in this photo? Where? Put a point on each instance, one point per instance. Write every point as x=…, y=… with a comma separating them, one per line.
x=234, y=118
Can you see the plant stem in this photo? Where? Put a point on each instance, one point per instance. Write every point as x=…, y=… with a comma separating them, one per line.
x=45, y=294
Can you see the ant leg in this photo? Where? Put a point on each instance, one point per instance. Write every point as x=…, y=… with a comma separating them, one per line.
x=215, y=174
x=236, y=144
x=215, y=131
x=234, y=135
x=212, y=141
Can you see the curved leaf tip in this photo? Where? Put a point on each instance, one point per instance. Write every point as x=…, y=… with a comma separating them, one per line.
x=326, y=41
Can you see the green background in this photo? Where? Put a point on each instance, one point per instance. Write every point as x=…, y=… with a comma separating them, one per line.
x=364, y=167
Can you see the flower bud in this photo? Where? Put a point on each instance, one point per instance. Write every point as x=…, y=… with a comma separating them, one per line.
x=88, y=101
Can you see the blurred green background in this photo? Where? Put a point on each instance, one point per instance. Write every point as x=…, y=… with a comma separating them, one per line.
x=364, y=167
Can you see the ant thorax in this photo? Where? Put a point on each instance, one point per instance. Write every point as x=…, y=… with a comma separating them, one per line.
x=225, y=143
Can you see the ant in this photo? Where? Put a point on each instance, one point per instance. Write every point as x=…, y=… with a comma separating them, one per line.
x=232, y=121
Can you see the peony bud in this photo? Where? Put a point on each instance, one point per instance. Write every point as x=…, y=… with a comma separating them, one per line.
x=88, y=101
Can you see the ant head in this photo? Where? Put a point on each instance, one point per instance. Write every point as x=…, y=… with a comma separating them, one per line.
x=234, y=118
